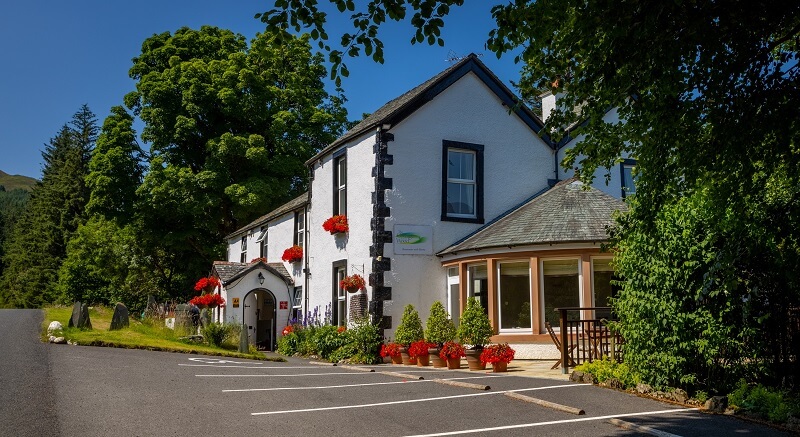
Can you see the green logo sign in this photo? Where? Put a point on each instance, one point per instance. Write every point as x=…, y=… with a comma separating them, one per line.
x=409, y=238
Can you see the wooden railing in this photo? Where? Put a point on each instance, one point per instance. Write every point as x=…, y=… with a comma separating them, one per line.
x=585, y=336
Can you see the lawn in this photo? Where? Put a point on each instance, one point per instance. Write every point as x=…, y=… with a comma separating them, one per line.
x=149, y=335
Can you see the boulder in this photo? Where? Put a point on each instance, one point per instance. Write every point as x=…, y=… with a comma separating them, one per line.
x=152, y=309
x=85, y=322
x=57, y=340
x=80, y=316
x=120, y=318
x=76, y=315
x=589, y=378
x=679, y=395
x=615, y=384
x=576, y=376
x=54, y=327
x=717, y=404
x=643, y=389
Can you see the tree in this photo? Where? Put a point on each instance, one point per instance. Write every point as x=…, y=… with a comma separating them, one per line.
x=709, y=98
x=230, y=127
x=12, y=203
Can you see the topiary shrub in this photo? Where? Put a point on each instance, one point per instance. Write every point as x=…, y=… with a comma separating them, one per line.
x=410, y=328
x=474, y=328
x=439, y=328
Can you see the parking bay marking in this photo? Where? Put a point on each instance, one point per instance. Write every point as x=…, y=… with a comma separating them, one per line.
x=288, y=375
x=556, y=422
x=409, y=401
x=343, y=385
x=249, y=367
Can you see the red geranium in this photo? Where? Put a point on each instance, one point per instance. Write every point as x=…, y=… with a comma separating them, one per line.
x=208, y=283
x=419, y=348
x=353, y=283
x=497, y=353
x=293, y=254
x=390, y=350
x=341, y=329
x=207, y=300
x=452, y=349
x=336, y=224
x=288, y=330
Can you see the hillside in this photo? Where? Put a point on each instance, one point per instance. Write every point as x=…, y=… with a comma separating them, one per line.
x=11, y=182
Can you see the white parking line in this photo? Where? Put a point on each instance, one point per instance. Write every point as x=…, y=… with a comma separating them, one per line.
x=338, y=386
x=287, y=375
x=554, y=422
x=409, y=401
x=250, y=367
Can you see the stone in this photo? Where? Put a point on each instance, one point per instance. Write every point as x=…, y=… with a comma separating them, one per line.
x=57, y=340
x=120, y=318
x=615, y=384
x=576, y=376
x=76, y=315
x=643, y=389
x=85, y=322
x=183, y=320
x=54, y=327
x=679, y=395
x=244, y=344
x=589, y=378
x=152, y=309
x=717, y=404
x=205, y=317
x=358, y=306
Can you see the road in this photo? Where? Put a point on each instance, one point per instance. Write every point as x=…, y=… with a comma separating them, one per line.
x=60, y=390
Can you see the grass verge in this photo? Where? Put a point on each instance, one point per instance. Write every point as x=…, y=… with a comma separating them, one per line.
x=138, y=335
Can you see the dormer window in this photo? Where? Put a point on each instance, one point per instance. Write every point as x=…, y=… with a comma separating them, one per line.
x=462, y=182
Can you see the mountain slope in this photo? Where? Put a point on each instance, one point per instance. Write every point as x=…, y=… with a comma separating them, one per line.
x=11, y=182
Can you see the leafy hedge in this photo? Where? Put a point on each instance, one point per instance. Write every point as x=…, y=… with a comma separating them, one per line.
x=360, y=344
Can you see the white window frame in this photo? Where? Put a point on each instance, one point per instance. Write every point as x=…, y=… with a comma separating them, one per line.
x=453, y=305
x=243, y=249
x=341, y=185
x=473, y=181
x=594, y=299
x=263, y=240
x=541, y=287
x=341, y=297
x=300, y=228
x=500, y=298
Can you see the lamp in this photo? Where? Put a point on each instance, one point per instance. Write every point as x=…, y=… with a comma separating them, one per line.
x=260, y=278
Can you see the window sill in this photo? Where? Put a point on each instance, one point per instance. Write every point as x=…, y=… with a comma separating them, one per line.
x=447, y=218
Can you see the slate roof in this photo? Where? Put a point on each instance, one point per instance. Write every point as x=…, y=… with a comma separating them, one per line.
x=399, y=108
x=289, y=206
x=566, y=213
x=229, y=271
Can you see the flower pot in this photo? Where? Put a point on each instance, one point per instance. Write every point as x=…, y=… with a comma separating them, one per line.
x=499, y=366
x=352, y=289
x=474, y=360
x=454, y=363
x=433, y=355
x=408, y=360
x=397, y=359
x=422, y=361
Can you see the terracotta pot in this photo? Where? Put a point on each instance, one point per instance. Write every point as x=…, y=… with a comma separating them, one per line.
x=397, y=359
x=435, y=359
x=474, y=360
x=422, y=361
x=499, y=367
x=454, y=363
x=408, y=360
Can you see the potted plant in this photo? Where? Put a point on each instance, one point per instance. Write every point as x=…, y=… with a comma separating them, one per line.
x=409, y=331
x=452, y=352
x=419, y=350
x=439, y=329
x=336, y=225
x=353, y=283
x=498, y=355
x=475, y=330
x=392, y=350
x=293, y=254
x=206, y=285
x=207, y=301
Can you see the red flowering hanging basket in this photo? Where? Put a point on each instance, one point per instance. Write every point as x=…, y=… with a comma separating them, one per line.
x=207, y=301
x=293, y=254
x=206, y=285
x=336, y=225
x=353, y=283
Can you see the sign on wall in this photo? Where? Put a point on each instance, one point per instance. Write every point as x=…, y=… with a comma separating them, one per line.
x=236, y=302
x=284, y=305
x=413, y=240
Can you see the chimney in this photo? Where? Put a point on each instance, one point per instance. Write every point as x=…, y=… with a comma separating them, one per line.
x=549, y=101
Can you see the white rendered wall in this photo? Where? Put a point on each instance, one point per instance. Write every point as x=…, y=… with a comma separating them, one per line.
x=517, y=164
x=245, y=284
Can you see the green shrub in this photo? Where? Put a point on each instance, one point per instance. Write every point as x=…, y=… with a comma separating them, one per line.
x=287, y=345
x=474, y=327
x=764, y=402
x=701, y=396
x=410, y=328
x=216, y=333
x=605, y=369
x=439, y=328
x=327, y=339
x=363, y=343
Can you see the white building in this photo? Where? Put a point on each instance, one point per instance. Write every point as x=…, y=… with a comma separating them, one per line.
x=449, y=192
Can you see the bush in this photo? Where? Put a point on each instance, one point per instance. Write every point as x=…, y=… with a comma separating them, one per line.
x=216, y=333
x=326, y=340
x=362, y=344
x=763, y=402
x=287, y=345
x=410, y=328
x=439, y=328
x=605, y=369
x=475, y=328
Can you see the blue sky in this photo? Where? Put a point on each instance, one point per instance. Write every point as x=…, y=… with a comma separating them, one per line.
x=58, y=55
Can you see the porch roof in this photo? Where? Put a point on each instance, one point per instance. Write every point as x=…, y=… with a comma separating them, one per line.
x=566, y=213
x=229, y=271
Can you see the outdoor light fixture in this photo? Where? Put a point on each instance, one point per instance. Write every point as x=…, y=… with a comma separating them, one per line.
x=260, y=278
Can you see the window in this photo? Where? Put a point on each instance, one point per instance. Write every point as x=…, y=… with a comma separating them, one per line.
x=627, y=169
x=339, y=294
x=299, y=228
x=514, y=295
x=340, y=185
x=602, y=275
x=462, y=182
x=453, y=294
x=560, y=288
x=243, y=256
x=478, y=285
x=263, y=240
x=297, y=303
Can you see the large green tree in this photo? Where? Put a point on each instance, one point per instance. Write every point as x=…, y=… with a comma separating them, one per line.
x=709, y=97
x=230, y=126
